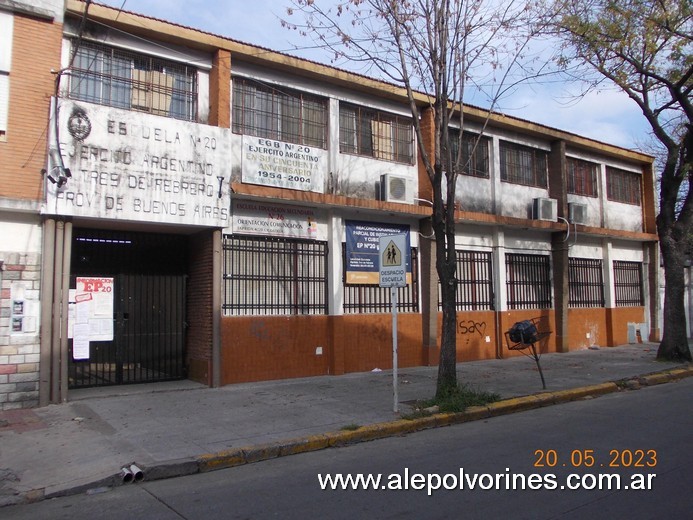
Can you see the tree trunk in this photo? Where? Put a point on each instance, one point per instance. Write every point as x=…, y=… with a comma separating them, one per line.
x=674, y=345
x=447, y=368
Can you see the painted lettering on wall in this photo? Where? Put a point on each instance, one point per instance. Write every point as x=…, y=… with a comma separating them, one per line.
x=135, y=166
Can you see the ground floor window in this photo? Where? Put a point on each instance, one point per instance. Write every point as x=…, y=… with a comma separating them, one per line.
x=269, y=275
x=528, y=281
x=585, y=282
x=474, y=282
x=628, y=283
x=367, y=298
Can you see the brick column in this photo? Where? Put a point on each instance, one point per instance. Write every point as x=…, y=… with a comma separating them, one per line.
x=558, y=190
x=220, y=90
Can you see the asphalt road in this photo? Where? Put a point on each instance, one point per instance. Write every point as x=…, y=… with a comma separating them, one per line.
x=642, y=436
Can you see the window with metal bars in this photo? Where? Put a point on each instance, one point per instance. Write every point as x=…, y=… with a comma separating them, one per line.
x=366, y=298
x=628, y=283
x=528, y=281
x=268, y=275
x=623, y=186
x=582, y=177
x=278, y=113
x=372, y=133
x=523, y=164
x=585, y=282
x=475, y=157
x=474, y=282
x=132, y=81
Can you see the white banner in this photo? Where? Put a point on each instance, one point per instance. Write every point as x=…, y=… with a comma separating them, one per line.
x=261, y=218
x=284, y=165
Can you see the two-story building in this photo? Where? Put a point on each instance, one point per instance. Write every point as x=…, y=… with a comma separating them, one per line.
x=212, y=209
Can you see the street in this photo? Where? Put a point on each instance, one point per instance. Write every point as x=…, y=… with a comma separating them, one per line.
x=647, y=432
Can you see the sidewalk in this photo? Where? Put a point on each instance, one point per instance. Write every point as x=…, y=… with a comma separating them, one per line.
x=171, y=429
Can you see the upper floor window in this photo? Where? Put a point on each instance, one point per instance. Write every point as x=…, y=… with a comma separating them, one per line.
x=123, y=79
x=623, y=186
x=582, y=177
x=372, y=133
x=475, y=157
x=6, y=24
x=280, y=114
x=523, y=164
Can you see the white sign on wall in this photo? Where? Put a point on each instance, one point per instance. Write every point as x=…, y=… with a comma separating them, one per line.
x=284, y=165
x=279, y=220
x=134, y=166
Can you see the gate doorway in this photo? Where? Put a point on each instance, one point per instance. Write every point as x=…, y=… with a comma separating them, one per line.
x=149, y=274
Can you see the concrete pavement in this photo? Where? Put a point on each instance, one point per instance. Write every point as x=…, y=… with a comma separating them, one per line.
x=178, y=428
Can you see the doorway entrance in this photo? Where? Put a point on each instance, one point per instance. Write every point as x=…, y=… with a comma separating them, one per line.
x=149, y=273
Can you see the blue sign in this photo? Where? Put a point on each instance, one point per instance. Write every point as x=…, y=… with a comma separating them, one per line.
x=362, y=246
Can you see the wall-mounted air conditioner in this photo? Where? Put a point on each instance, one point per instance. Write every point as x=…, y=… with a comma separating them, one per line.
x=577, y=213
x=545, y=209
x=394, y=188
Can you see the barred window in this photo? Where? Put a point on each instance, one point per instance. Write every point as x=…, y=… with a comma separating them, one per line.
x=123, y=79
x=528, y=281
x=582, y=177
x=585, y=282
x=623, y=186
x=475, y=157
x=376, y=134
x=474, y=275
x=523, y=165
x=268, y=275
x=628, y=283
x=366, y=298
x=278, y=113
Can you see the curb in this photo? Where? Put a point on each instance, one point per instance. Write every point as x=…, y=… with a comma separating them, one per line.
x=261, y=452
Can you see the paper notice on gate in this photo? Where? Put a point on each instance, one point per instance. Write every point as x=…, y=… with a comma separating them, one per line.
x=80, y=341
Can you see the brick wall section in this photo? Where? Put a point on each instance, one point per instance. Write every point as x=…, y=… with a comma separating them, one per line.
x=35, y=52
x=428, y=132
x=199, y=308
x=19, y=352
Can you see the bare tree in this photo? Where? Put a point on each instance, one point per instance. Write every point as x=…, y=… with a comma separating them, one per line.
x=437, y=50
x=645, y=47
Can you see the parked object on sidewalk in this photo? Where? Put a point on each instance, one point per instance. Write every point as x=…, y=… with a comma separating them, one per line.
x=524, y=335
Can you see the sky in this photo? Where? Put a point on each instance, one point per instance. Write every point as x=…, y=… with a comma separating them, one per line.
x=608, y=116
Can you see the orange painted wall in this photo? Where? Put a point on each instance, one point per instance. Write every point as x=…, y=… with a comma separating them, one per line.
x=620, y=317
x=592, y=321
x=364, y=342
x=260, y=348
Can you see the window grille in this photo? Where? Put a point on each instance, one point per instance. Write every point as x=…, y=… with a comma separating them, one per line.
x=474, y=282
x=268, y=275
x=628, y=283
x=523, y=165
x=122, y=79
x=475, y=157
x=366, y=298
x=582, y=177
x=623, y=186
x=281, y=114
x=376, y=134
x=585, y=283
x=528, y=281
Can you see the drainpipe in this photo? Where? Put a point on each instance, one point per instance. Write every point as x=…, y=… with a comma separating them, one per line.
x=55, y=308
x=64, y=302
x=47, y=275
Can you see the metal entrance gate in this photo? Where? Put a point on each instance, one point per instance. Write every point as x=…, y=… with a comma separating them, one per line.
x=149, y=288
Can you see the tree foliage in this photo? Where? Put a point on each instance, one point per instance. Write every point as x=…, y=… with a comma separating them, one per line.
x=645, y=47
x=437, y=50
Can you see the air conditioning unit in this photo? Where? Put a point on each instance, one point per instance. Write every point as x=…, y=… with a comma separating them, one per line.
x=577, y=213
x=545, y=209
x=394, y=188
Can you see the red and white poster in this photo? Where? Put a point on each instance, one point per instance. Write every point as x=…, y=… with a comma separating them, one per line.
x=92, y=314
